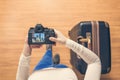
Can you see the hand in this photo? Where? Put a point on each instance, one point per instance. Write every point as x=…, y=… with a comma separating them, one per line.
x=27, y=50
x=60, y=37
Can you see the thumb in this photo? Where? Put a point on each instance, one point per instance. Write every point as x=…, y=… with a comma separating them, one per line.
x=53, y=39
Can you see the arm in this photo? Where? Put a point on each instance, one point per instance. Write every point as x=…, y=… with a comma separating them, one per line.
x=94, y=65
x=23, y=68
x=24, y=63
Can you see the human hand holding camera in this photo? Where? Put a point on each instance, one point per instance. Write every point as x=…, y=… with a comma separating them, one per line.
x=27, y=50
x=60, y=38
x=42, y=36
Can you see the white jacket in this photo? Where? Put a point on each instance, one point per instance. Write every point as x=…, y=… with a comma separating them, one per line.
x=93, y=70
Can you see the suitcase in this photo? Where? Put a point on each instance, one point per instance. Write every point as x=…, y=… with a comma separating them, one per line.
x=94, y=35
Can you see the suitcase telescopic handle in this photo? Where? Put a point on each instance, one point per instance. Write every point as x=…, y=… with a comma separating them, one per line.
x=86, y=40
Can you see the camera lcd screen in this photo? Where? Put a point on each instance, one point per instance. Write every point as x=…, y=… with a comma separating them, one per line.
x=38, y=37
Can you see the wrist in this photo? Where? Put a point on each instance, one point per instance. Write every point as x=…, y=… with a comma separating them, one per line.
x=65, y=40
x=27, y=50
x=26, y=54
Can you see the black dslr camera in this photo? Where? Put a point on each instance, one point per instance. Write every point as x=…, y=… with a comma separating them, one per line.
x=40, y=35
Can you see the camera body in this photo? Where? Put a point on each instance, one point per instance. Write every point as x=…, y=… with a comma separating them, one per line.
x=40, y=35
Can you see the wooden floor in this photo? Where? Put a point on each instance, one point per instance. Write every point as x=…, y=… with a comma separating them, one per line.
x=17, y=16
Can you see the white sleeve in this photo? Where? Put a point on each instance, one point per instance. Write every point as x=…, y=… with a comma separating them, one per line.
x=94, y=65
x=23, y=68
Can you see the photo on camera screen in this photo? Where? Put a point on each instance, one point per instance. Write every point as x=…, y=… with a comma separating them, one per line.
x=38, y=37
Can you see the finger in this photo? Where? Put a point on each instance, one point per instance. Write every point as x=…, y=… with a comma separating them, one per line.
x=56, y=32
x=36, y=46
x=53, y=39
x=26, y=39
